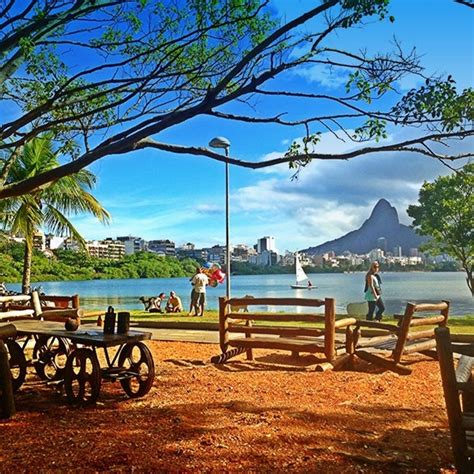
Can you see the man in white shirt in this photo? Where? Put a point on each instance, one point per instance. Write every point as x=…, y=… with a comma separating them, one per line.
x=199, y=282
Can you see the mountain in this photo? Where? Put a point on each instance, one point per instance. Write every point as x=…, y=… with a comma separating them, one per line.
x=383, y=222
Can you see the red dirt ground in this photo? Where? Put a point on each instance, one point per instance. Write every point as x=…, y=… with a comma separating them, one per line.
x=247, y=417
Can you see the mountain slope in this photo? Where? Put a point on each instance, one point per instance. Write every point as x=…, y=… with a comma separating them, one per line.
x=383, y=222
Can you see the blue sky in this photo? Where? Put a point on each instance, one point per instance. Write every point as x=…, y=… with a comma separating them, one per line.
x=156, y=195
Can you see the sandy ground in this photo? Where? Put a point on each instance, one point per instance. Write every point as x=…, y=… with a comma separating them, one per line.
x=261, y=417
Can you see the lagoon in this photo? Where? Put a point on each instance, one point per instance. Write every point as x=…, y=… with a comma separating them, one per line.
x=398, y=289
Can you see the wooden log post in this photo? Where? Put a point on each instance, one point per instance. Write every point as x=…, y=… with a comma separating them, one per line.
x=223, y=324
x=338, y=363
x=384, y=363
x=329, y=329
x=350, y=346
x=451, y=397
x=404, y=326
x=445, y=313
x=35, y=299
x=75, y=301
x=224, y=357
x=249, y=351
x=7, y=402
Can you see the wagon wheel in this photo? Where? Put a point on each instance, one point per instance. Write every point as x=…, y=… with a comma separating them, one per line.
x=50, y=355
x=17, y=362
x=82, y=377
x=136, y=358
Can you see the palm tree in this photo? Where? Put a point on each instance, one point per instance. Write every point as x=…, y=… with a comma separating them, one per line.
x=49, y=206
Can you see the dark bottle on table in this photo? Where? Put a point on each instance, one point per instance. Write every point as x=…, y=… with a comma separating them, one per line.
x=109, y=321
x=123, y=322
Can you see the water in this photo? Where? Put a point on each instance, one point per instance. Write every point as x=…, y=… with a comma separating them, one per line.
x=398, y=288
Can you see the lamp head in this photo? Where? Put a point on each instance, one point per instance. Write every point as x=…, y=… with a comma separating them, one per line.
x=219, y=142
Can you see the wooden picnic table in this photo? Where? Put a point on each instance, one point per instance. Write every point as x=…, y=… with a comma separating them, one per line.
x=71, y=358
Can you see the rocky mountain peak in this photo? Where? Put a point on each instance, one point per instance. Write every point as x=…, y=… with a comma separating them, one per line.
x=383, y=216
x=383, y=222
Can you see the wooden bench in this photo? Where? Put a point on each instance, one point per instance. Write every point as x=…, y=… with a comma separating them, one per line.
x=49, y=307
x=399, y=340
x=15, y=307
x=294, y=338
x=458, y=388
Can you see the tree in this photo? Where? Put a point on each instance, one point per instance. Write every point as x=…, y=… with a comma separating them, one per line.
x=48, y=206
x=446, y=213
x=109, y=77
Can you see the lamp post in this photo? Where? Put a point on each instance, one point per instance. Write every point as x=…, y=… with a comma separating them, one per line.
x=222, y=142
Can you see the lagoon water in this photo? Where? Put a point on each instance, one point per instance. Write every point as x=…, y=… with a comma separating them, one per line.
x=398, y=288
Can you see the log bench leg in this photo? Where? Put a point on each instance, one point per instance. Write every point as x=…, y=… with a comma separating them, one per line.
x=334, y=364
x=249, y=354
x=225, y=356
x=384, y=363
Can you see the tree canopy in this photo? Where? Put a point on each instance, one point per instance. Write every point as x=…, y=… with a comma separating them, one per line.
x=67, y=265
x=50, y=206
x=108, y=77
x=446, y=213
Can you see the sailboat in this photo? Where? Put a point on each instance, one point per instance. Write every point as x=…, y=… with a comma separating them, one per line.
x=302, y=280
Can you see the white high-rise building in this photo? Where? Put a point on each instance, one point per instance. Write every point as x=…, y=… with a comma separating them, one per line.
x=266, y=243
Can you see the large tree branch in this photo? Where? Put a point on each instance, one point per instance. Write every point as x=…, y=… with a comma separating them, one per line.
x=29, y=185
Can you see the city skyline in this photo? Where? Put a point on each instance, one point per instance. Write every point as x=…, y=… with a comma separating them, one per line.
x=155, y=194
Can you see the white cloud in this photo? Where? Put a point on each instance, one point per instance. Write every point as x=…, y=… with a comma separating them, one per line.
x=330, y=198
x=327, y=76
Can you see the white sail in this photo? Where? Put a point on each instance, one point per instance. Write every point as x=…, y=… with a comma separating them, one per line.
x=301, y=276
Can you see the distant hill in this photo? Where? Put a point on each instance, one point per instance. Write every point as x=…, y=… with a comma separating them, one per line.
x=383, y=222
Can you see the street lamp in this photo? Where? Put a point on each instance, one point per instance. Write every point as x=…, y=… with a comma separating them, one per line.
x=222, y=142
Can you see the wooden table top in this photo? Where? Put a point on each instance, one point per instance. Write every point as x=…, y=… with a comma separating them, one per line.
x=92, y=336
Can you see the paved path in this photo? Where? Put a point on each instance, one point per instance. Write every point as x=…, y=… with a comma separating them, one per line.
x=187, y=335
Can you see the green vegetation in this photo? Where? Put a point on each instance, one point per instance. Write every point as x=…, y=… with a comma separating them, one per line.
x=50, y=206
x=244, y=268
x=446, y=213
x=155, y=65
x=68, y=265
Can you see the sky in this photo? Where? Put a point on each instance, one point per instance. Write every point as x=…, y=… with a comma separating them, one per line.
x=155, y=195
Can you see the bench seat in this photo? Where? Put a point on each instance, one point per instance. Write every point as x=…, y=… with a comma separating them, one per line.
x=279, y=343
x=411, y=335
x=317, y=338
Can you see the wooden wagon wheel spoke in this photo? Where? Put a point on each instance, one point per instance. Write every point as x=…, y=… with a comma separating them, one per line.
x=17, y=362
x=136, y=358
x=50, y=355
x=82, y=378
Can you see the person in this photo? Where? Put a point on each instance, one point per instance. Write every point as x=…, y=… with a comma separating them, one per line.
x=310, y=285
x=373, y=292
x=192, y=298
x=174, y=304
x=155, y=303
x=198, y=295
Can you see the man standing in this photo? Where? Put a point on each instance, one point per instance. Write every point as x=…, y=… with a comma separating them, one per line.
x=199, y=283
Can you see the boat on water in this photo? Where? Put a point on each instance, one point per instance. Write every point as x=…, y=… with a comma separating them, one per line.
x=302, y=280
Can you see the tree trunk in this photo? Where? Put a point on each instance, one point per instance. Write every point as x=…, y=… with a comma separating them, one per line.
x=469, y=275
x=26, y=283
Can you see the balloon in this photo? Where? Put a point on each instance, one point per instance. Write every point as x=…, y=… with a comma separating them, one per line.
x=208, y=265
x=213, y=283
x=218, y=275
x=216, y=265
